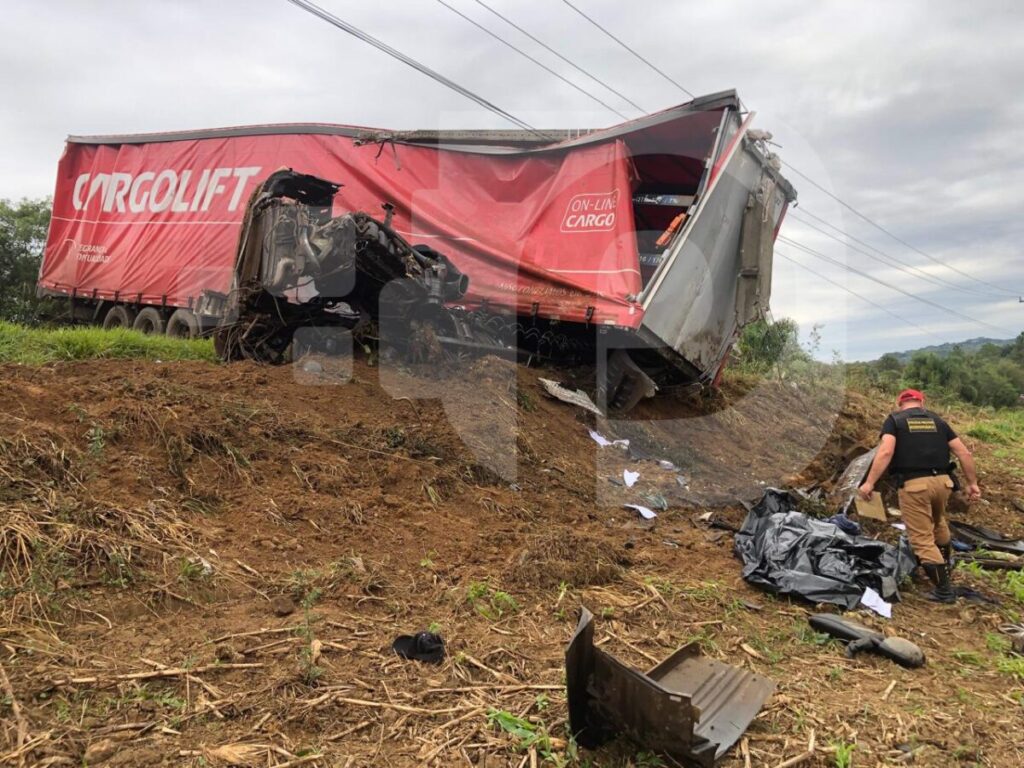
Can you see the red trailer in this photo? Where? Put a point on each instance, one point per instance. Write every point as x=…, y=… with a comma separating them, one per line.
x=659, y=230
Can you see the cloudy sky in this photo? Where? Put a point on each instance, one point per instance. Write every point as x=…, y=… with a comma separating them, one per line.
x=910, y=112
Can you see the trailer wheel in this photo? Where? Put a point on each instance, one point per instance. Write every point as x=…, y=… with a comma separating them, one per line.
x=149, y=321
x=183, y=325
x=118, y=316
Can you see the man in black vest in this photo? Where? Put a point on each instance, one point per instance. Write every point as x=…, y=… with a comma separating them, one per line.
x=915, y=448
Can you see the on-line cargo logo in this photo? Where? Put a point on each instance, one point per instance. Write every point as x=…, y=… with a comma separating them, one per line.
x=591, y=212
x=158, y=191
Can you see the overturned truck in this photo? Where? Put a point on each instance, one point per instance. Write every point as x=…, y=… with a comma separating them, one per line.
x=641, y=248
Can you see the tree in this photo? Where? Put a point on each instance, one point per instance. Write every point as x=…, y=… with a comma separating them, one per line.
x=23, y=227
x=762, y=344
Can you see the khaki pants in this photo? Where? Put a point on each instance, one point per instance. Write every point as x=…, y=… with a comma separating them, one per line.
x=923, y=504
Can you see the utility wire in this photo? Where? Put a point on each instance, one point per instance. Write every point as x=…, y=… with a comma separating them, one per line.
x=525, y=55
x=858, y=295
x=571, y=63
x=897, y=238
x=883, y=257
x=351, y=29
x=890, y=286
x=637, y=55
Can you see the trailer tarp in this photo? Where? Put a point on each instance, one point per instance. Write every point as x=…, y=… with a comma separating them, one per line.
x=547, y=232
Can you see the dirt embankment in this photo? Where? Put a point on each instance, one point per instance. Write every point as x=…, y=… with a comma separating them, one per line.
x=206, y=564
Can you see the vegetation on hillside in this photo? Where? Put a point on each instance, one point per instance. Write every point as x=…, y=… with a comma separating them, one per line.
x=993, y=375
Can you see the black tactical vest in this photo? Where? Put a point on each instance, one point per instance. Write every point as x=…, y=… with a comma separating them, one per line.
x=922, y=442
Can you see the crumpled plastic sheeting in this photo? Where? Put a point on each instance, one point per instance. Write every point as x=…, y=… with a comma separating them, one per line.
x=789, y=553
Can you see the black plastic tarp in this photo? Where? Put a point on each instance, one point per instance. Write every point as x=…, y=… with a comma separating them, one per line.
x=790, y=553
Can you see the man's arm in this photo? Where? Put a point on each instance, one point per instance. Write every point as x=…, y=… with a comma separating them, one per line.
x=956, y=445
x=883, y=456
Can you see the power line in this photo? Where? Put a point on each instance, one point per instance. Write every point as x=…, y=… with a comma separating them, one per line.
x=897, y=238
x=525, y=55
x=858, y=295
x=890, y=286
x=330, y=18
x=637, y=55
x=883, y=257
x=571, y=63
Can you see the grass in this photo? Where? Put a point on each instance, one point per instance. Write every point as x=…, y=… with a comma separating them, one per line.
x=1005, y=428
x=35, y=346
x=490, y=603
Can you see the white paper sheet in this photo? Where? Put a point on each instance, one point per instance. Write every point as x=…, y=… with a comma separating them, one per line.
x=873, y=600
x=604, y=442
x=630, y=478
x=645, y=513
x=899, y=526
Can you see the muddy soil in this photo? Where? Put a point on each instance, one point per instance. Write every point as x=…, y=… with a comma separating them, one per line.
x=206, y=565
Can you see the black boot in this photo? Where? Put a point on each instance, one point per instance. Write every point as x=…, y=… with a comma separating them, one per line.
x=939, y=574
x=947, y=555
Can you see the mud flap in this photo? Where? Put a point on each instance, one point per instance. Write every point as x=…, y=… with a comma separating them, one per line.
x=689, y=707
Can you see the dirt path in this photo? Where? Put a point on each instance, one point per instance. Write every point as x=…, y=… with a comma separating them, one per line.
x=206, y=565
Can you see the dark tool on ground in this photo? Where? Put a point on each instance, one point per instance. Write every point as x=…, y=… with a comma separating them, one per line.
x=859, y=638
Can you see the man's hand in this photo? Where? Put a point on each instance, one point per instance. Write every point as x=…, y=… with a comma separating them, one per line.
x=867, y=490
x=973, y=492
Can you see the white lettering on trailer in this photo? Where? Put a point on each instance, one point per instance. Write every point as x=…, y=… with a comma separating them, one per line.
x=161, y=191
x=135, y=204
x=591, y=212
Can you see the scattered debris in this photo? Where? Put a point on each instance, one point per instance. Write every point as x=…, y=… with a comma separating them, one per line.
x=873, y=509
x=873, y=600
x=579, y=398
x=987, y=538
x=645, y=512
x=604, y=442
x=423, y=646
x=690, y=707
x=860, y=638
x=851, y=479
x=630, y=478
x=789, y=553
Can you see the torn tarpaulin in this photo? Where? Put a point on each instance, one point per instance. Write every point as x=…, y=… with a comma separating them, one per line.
x=787, y=552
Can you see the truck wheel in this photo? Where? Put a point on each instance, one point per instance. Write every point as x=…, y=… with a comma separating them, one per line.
x=118, y=317
x=183, y=325
x=149, y=320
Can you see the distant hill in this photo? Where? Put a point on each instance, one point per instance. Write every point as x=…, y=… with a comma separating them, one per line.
x=942, y=350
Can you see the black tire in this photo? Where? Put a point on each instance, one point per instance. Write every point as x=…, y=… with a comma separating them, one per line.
x=149, y=321
x=118, y=316
x=183, y=325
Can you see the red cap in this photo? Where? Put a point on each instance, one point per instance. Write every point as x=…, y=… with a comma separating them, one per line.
x=910, y=394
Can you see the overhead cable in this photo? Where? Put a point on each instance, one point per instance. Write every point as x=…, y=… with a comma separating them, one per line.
x=351, y=29
x=890, y=286
x=895, y=237
x=536, y=61
x=637, y=55
x=571, y=63
x=852, y=292
x=883, y=257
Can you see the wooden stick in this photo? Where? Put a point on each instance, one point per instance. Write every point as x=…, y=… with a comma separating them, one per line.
x=15, y=708
x=403, y=707
x=799, y=759
x=349, y=731
x=885, y=696
x=299, y=761
x=172, y=672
